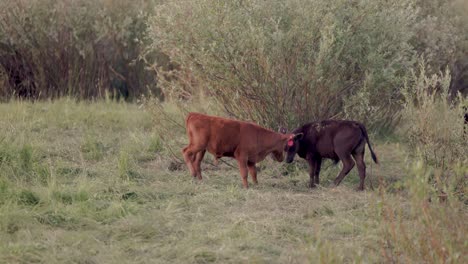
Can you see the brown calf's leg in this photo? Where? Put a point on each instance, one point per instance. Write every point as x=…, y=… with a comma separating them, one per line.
x=348, y=164
x=188, y=157
x=359, y=158
x=243, y=171
x=196, y=164
x=253, y=172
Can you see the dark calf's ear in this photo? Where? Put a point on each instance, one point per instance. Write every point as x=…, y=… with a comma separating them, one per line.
x=298, y=136
x=282, y=130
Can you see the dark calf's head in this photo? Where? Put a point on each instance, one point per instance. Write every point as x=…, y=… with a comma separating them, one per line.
x=292, y=146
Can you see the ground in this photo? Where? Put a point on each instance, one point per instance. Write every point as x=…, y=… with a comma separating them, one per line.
x=98, y=183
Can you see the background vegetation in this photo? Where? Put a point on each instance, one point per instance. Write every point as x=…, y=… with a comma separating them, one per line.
x=86, y=177
x=86, y=49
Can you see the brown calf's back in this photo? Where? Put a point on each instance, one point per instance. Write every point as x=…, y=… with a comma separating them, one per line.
x=247, y=142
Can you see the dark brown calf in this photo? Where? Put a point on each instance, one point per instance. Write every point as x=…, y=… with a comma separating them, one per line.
x=333, y=139
x=247, y=142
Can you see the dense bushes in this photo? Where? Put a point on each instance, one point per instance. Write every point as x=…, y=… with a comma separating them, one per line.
x=294, y=61
x=79, y=48
x=287, y=62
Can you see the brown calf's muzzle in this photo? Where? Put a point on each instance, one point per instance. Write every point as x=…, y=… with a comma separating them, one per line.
x=277, y=156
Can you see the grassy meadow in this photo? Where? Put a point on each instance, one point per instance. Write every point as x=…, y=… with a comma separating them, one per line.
x=99, y=182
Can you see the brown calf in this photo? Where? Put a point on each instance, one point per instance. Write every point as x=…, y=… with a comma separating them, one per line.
x=247, y=142
x=333, y=139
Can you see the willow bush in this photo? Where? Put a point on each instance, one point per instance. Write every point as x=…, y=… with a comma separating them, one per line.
x=288, y=62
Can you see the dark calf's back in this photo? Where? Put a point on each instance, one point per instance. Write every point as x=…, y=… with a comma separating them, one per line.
x=339, y=140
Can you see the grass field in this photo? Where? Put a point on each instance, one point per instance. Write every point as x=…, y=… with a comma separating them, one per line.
x=96, y=183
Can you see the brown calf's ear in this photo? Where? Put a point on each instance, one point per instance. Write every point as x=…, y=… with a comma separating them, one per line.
x=282, y=130
x=298, y=136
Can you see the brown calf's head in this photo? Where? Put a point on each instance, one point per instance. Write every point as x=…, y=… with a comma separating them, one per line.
x=277, y=155
x=292, y=146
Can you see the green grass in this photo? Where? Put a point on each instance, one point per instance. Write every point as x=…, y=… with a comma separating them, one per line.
x=95, y=183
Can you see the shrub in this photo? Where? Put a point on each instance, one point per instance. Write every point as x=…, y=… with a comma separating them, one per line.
x=434, y=123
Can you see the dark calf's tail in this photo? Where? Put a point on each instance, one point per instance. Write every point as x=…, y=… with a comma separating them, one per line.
x=364, y=131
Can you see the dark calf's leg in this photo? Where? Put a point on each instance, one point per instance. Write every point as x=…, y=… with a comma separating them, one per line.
x=358, y=155
x=253, y=172
x=348, y=164
x=317, y=170
x=359, y=158
x=312, y=168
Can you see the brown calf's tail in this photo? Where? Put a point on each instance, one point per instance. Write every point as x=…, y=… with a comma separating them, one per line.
x=189, y=116
x=364, y=131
